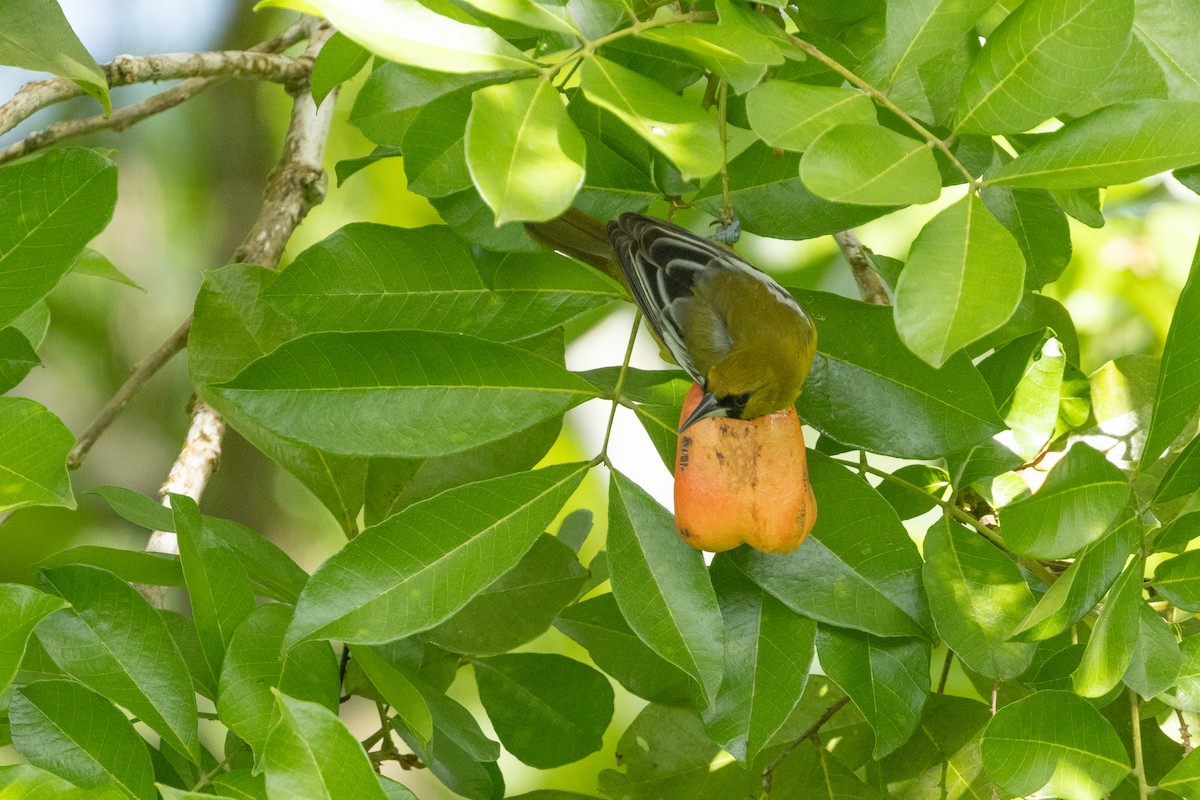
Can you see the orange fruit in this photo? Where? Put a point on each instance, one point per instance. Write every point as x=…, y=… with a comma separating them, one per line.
x=743, y=481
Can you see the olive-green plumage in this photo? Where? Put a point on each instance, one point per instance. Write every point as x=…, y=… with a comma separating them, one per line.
x=732, y=328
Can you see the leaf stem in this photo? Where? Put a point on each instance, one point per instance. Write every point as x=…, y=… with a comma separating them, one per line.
x=723, y=125
x=635, y=28
x=941, y=687
x=1139, y=764
x=883, y=100
x=1033, y=565
x=619, y=387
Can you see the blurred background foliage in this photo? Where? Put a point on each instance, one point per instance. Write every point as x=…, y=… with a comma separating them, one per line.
x=190, y=185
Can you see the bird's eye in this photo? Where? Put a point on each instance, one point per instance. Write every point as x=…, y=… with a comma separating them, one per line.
x=735, y=404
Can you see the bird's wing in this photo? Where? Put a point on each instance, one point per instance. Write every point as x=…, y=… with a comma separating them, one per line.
x=666, y=265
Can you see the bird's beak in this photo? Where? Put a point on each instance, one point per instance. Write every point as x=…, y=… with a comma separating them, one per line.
x=708, y=407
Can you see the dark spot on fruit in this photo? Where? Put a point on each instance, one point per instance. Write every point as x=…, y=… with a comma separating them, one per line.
x=720, y=457
x=685, y=533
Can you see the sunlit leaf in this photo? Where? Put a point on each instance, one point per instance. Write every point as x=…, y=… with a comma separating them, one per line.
x=1053, y=742
x=1177, y=396
x=22, y=608
x=38, y=37
x=1042, y=57
x=1121, y=143
x=963, y=279
x=870, y=165
x=527, y=165
x=791, y=115
x=33, y=456
x=675, y=127
x=1110, y=648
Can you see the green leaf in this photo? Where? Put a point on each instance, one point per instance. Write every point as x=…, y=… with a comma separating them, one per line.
x=1184, y=778
x=400, y=393
x=311, y=754
x=96, y=264
x=397, y=690
x=543, y=16
x=768, y=653
x=69, y=730
x=1121, y=143
x=170, y=793
x=527, y=165
x=17, y=358
x=183, y=632
x=887, y=679
x=868, y=391
x=50, y=207
x=1040, y=228
x=33, y=456
x=38, y=37
x=667, y=756
x=791, y=116
x=812, y=772
x=1182, y=477
x=675, y=127
x=393, y=94
x=1156, y=656
x=348, y=167
x=869, y=164
x=132, y=566
x=420, y=566
x=548, y=710
x=1026, y=379
x=1080, y=499
x=233, y=326
x=1110, y=648
x=1040, y=60
x=857, y=569
x=394, y=484
x=1179, y=532
x=1176, y=397
x=1053, y=742
x=918, y=31
x=519, y=606
x=1178, y=580
x=942, y=757
x=434, y=148
x=1122, y=397
x=340, y=60
x=932, y=482
x=771, y=200
x=738, y=55
x=27, y=782
x=374, y=277
x=1163, y=26
x=597, y=625
x=254, y=666
x=217, y=584
x=407, y=32
x=964, y=278
x=977, y=597
x=662, y=586
x=1078, y=589
x=1185, y=694
x=113, y=641
x=21, y=608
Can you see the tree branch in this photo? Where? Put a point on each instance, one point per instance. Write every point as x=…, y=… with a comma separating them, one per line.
x=294, y=186
x=870, y=286
x=259, y=61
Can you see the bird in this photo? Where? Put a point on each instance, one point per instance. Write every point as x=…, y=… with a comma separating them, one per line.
x=733, y=329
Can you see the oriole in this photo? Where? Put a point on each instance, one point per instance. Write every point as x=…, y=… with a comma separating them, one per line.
x=739, y=335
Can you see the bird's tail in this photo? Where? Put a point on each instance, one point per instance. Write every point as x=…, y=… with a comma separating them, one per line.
x=583, y=238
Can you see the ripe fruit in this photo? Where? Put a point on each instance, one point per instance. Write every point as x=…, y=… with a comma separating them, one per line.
x=743, y=481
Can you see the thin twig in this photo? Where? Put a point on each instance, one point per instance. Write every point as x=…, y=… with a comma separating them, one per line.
x=768, y=772
x=870, y=286
x=1185, y=734
x=142, y=372
x=619, y=387
x=1033, y=565
x=883, y=100
x=941, y=687
x=256, y=61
